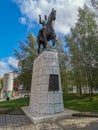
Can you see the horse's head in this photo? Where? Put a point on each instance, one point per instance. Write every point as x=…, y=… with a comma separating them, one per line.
x=52, y=16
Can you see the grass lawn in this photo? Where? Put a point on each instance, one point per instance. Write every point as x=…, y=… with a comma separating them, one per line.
x=81, y=104
x=71, y=101
x=15, y=104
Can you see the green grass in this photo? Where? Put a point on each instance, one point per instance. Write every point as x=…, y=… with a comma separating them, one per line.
x=15, y=104
x=81, y=104
x=71, y=102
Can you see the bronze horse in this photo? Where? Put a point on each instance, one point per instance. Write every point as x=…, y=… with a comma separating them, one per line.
x=48, y=33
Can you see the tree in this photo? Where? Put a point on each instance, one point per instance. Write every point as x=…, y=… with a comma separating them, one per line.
x=26, y=56
x=83, y=48
x=62, y=55
x=1, y=84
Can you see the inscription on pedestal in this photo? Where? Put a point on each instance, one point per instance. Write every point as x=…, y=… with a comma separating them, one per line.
x=53, y=83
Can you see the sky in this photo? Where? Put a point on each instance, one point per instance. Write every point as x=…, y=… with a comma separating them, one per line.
x=20, y=17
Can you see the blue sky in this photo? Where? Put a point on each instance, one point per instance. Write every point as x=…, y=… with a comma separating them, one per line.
x=11, y=30
x=20, y=17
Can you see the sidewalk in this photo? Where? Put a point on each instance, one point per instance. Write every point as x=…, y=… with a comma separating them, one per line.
x=1, y=100
x=14, y=121
x=21, y=122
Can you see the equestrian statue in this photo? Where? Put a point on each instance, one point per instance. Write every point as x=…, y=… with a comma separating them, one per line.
x=46, y=33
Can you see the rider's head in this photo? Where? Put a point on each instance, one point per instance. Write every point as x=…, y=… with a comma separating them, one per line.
x=45, y=17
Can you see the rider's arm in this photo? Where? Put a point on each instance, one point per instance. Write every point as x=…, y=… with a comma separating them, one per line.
x=40, y=21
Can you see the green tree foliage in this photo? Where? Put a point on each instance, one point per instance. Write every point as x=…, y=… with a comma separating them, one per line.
x=1, y=83
x=83, y=48
x=62, y=54
x=26, y=56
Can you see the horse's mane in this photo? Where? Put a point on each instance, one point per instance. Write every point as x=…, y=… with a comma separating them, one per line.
x=49, y=18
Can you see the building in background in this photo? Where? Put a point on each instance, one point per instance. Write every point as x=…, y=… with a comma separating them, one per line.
x=8, y=83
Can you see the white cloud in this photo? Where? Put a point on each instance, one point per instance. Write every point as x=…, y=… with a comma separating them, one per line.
x=12, y=61
x=3, y=68
x=22, y=20
x=5, y=63
x=66, y=11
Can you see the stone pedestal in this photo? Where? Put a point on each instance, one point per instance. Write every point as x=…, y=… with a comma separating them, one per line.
x=46, y=93
x=46, y=101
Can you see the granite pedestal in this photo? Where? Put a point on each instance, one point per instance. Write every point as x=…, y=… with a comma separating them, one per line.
x=46, y=93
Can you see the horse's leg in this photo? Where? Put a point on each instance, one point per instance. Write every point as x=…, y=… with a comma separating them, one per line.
x=38, y=50
x=54, y=39
x=38, y=41
x=44, y=45
x=44, y=39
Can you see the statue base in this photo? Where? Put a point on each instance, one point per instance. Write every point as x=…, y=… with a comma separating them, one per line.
x=39, y=118
x=46, y=92
x=46, y=101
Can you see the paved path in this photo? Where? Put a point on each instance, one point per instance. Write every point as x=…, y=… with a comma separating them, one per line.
x=21, y=122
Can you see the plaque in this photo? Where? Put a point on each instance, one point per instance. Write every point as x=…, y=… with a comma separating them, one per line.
x=53, y=83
